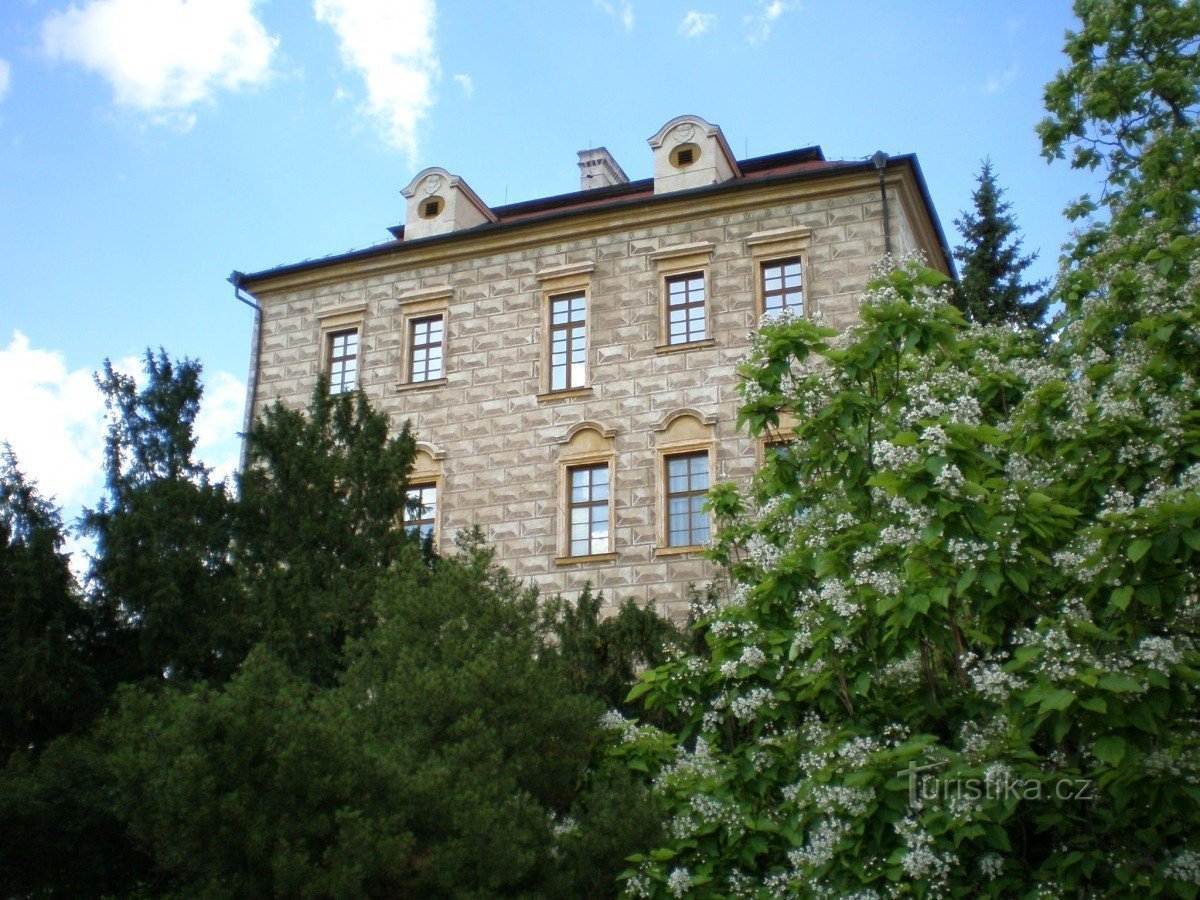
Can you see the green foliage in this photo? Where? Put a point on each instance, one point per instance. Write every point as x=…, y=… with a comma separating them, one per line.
x=602, y=657
x=962, y=657
x=59, y=834
x=161, y=583
x=446, y=760
x=47, y=686
x=990, y=290
x=318, y=520
x=1127, y=104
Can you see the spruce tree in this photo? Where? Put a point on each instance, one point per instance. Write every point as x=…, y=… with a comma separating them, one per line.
x=990, y=290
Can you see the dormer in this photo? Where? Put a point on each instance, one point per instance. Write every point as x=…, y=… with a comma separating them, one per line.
x=690, y=153
x=439, y=203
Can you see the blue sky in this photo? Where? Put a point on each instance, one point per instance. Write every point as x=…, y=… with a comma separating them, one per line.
x=149, y=147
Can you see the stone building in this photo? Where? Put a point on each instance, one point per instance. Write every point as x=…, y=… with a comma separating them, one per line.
x=568, y=364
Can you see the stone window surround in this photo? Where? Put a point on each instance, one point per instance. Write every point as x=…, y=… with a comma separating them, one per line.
x=586, y=444
x=338, y=318
x=773, y=246
x=684, y=259
x=682, y=432
x=427, y=472
x=423, y=304
x=575, y=278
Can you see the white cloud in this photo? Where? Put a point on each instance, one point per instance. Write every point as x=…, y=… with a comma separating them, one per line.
x=163, y=57
x=390, y=43
x=468, y=86
x=54, y=419
x=761, y=22
x=696, y=23
x=999, y=80
x=220, y=419
x=622, y=11
x=5, y=77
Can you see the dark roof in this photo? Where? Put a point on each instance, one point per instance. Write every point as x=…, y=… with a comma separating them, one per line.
x=806, y=162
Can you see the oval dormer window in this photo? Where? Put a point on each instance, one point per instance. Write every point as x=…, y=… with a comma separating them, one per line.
x=685, y=155
x=431, y=207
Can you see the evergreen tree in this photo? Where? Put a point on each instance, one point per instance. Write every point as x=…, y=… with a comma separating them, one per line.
x=990, y=290
x=320, y=518
x=161, y=579
x=444, y=759
x=47, y=686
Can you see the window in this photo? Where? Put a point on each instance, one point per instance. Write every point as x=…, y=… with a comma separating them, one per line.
x=588, y=505
x=687, y=479
x=780, y=255
x=343, y=361
x=420, y=514
x=685, y=309
x=586, y=510
x=782, y=285
x=426, y=341
x=568, y=342
x=564, y=372
x=424, y=326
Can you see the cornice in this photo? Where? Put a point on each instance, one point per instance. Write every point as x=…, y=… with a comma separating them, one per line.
x=632, y=215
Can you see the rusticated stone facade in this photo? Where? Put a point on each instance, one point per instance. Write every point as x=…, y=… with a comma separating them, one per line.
x=499, y=443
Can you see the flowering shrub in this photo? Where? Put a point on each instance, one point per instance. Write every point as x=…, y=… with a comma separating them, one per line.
x=960, y=655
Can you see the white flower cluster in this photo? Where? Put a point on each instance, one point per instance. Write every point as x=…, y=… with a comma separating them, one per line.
x=920, y=860
x=1019, y=467
x=679, y=882
x=892, y=457
x=856, y=752
x=967, y=552
x=715, y=812
x=1081, y=560
x=688, y=767
x=734, y=628
x=901, y=536
x=977, y=738
x=901, y=673
x=836, y=597
x=639, y=885
x=822, y=841
x=748, y=705
x=752, y=657
x=885, y=583
x=682, y=827
x=937, y=439
x=989, y=678
x=1062, y=657
x=950, y=480
x=964, y=410
x=613, y=720
x=763, y=553
x=1160, y=653
x=1184, y=867
x=829, y=798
